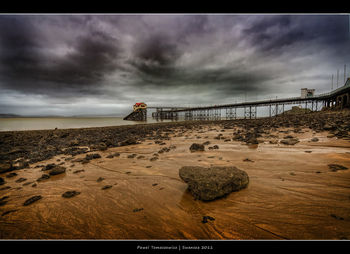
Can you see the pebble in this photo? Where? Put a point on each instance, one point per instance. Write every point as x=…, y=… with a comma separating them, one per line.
x=32, y=200
x=69, y=194
x=21, y=180
x=206, y=218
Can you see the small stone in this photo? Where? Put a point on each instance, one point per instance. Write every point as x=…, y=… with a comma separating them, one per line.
x=27, y=183
x=49, y=166
x=336, y=167
x=13, y=174
x=69, y=194
x=206, y=143
x=196, y=147
x=290, y=141
x=3, y=202
x=206, y=218
x=155, y=184
x=92, y=156
x=337, y=217
x=32, y=200
x=78, y=171
x=2, y=181
x=21, y=180
x=100, y=179
x=137, y=210
x=106, y=187
x=314, y=139
x=57, y=170
x=43, y=177
x=5, y=167
x=9, y=211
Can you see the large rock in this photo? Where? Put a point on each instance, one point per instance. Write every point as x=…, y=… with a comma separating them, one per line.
x=214, y=182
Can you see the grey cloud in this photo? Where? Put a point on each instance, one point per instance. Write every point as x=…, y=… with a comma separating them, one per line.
x=124, y=58
x=25, y=60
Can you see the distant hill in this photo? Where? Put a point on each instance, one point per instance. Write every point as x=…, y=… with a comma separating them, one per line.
x=9, y=115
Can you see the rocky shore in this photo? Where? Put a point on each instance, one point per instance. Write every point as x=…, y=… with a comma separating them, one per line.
x=149, y=181
x=18, y=149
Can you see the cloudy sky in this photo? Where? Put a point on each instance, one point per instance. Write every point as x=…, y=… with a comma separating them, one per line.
x=103, y=64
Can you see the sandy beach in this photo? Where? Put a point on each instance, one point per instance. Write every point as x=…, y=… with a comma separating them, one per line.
x=132, y=190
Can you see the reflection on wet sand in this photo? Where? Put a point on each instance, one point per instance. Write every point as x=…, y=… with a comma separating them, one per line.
x=291, y=195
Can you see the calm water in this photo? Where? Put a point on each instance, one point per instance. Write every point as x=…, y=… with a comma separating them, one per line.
x=20, y=124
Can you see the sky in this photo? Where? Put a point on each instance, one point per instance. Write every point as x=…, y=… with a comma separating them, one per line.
x=103, y=64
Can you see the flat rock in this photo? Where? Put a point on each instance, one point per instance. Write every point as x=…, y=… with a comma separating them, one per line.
x=336, y=167
x=21, y=180
x=70, y=194
x=49, y=166
x=289, y=141
x=78, y=171
x=32, y=200
x=92, y=156
x=211, y=183
x=43, y=177
x=9, y=211
x=13, y=174
x=57, y=170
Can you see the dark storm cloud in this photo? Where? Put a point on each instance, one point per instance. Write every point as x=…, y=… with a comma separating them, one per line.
x=192, y=58
x=27, y=62
x=276, y=32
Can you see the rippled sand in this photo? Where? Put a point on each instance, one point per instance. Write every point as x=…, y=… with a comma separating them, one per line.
x=292, y=194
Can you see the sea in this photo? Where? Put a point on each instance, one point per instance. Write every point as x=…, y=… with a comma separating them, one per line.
x=47, y=123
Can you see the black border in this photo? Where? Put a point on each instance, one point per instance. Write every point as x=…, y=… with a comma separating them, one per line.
x=94, y=7
x=215, y=246
x=195, y=7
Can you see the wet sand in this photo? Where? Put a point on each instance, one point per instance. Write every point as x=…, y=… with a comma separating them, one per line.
x=292, y=194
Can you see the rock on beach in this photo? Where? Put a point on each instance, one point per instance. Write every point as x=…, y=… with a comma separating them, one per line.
x=196, y=147
x=211, y=183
